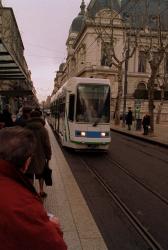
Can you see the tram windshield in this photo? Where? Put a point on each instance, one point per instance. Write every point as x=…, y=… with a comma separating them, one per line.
x=93, y=104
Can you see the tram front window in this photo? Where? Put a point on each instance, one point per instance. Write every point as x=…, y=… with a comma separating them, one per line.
x=93, y=104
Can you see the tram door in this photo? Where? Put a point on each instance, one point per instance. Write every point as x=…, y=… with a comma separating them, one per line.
x=71, y=111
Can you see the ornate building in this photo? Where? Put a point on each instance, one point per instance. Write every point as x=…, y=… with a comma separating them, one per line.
x=99, y=38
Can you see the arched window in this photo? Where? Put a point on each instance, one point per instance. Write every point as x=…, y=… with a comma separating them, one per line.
x=141, y=86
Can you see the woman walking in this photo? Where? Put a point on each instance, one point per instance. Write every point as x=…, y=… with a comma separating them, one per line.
x=42, y=150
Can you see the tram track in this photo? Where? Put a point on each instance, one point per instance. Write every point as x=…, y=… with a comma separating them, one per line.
x=143, y=232
x=140, y=147
x=150, y=237
x=149, y=154
x=139, y=181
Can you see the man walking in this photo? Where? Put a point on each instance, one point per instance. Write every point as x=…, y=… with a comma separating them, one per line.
x=129, y=118
x=146, y=124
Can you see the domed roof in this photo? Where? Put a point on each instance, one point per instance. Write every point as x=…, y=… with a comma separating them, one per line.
x=152, y=9
x=96, y=5
x=61, y=67
x=78, y=21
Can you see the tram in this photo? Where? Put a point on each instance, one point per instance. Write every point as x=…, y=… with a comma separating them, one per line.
x=80, y=113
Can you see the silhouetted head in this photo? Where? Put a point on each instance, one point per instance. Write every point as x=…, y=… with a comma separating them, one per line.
x=17, y=145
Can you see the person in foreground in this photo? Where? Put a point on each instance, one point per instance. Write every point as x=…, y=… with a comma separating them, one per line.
x=24, y=223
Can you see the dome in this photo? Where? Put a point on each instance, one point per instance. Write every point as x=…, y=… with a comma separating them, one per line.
x=151, y=9
x=96, y=5
x=77, y=24
x=61, y=67
x=78, y=21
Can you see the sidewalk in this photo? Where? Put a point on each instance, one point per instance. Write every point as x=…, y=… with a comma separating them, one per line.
x=65, y=201
x=160, y=133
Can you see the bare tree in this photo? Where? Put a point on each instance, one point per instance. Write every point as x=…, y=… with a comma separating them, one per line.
x=162, y=84
x=154, y=47
x=105, y=25
x=128, y=51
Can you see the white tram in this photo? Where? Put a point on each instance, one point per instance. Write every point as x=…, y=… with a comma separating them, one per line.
x=80, y=113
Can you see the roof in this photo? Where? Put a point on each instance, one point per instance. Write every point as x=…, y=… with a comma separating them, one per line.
x=77, y=24
x=145, y=14
x=78, y=21
x=96, y=5
x=9, y=68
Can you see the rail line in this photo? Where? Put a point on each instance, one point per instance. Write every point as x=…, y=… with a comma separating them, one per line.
x=143, y=151
x=148, y=238
x=131, y=175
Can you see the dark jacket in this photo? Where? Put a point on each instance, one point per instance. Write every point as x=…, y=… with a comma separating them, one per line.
x=7, y=118
x=43, y=147
x=23, y=119
x=129, y=117
x=2, y=124
x=146, y=121
x=24, y=223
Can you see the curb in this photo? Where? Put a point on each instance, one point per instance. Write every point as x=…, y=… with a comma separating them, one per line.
x=140, y=138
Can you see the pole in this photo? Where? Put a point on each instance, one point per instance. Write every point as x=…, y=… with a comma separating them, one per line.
x=125, y=84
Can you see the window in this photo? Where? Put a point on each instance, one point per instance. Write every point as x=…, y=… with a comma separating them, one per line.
x=106, y=54
x=142, y=62
x=71, y=107
x=93, y=103
x=141, y=85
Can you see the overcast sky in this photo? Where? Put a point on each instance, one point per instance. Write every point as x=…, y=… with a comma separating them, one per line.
x=44, y=27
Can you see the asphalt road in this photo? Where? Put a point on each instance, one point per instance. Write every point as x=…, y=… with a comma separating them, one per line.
x=137, y=173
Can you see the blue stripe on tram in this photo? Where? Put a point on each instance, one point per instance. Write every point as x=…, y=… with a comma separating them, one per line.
x=89, y=134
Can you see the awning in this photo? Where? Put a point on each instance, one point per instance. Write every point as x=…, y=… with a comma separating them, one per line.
x=9, y=68
x=15, y=93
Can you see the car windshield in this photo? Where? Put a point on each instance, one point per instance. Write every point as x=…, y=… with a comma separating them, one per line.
x=93, y=103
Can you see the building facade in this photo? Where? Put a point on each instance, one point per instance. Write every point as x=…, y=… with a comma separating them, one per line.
x=16, y=87
x=99, y=38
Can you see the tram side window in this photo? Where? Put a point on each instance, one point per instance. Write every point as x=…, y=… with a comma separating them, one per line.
x=71, y=107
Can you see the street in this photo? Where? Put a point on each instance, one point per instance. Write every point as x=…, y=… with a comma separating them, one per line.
x=136, y=172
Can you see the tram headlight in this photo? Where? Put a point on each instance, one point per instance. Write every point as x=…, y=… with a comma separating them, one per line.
x=83, y=134
x=104, y=134
x=80, y=133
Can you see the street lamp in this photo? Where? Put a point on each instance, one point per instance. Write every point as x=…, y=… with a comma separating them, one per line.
x=125, y=83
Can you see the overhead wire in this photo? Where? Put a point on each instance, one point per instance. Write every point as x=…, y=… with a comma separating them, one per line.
x=123, y=7
x=121, y=10
x=45, y=48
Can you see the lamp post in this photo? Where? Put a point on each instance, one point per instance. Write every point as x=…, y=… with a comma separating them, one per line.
x=125, y=83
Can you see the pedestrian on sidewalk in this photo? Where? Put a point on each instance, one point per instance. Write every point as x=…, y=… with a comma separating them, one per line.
x=42, y=151
x=146, y=123
x=24, y=223
x=7, y=117
x=2, y=124
x=129, y=118
x=23, y=116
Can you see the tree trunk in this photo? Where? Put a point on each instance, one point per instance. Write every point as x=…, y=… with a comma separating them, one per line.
x=119, y=96
x=160, y=107
x=151, y=98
